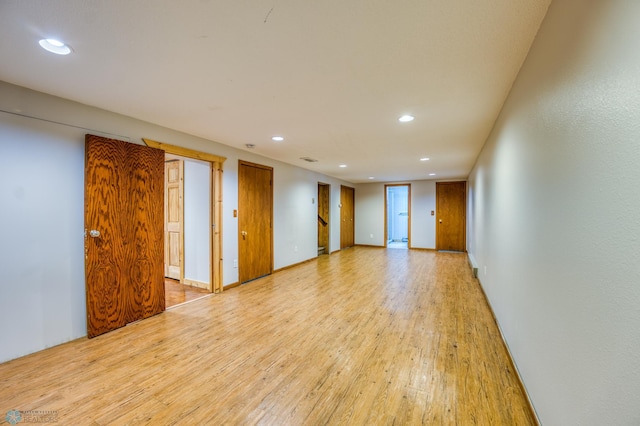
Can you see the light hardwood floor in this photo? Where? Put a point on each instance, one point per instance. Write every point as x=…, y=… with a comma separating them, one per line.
x=176, y=293
x=365, y=336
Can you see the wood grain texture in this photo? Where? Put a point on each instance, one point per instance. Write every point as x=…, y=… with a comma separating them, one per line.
x=451, y=207
x=255, y=221
x=105, y=255
x=347, y=216
x=366, y=336
x=176, y=293
x=144, y=216
x=123, y=201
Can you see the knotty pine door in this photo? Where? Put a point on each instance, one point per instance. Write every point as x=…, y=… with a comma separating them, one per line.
x=174, y=220
x=124, y=245
x=451, y=201
x=255, y=221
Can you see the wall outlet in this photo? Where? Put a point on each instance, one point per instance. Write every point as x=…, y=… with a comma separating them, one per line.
x=295, y=249
x=485, y=269
x=371, y=236
x=235, y=263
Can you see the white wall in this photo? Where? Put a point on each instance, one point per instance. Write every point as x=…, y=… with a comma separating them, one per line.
x=423, y=225
x=553, y=215
x=42, y=296
x=197, y=211
x=370, y=213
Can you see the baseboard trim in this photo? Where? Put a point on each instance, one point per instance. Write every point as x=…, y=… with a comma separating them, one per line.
x=512, y=363
x=230, y=286
x=368, y=245
x=199, y=284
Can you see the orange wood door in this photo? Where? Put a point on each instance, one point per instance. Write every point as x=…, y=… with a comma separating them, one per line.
x=347, y=216
x=173, y=219
x=451, y=214
x=124, y=233
x=255, y=218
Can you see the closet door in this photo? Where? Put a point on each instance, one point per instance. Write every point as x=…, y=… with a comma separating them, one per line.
x=124, y=244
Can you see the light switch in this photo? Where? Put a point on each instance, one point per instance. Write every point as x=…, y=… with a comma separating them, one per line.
x=433, y=213
x=235, y=213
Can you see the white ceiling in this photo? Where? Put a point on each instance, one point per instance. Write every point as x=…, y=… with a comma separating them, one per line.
x=331, y=76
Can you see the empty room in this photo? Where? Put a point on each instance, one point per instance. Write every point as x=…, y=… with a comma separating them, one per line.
x=304, y=213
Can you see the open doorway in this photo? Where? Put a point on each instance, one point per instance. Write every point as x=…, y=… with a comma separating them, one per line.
x=187, y=219
x=397, y=216
x=323, y=218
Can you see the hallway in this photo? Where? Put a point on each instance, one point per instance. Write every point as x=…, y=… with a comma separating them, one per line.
x=363, y=336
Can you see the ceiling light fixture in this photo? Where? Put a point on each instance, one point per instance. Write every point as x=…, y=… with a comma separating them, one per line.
x=424, y=159
x=371, y=177
x=342, y=165
x=277, y=138
x=406, y=118
x=432, y=174
x=54, y=46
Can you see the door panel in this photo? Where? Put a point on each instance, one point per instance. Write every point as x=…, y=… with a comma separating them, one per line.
x=347, y=214
x=451, y=216
x=123, y=211
x=174, y=223
x=255, y=217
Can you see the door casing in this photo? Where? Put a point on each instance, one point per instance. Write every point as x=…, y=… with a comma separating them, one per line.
x=386, y=209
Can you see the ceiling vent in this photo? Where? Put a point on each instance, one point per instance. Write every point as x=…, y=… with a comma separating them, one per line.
x=309, y=160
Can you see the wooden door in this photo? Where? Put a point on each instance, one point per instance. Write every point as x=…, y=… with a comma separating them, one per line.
x=173, y=219
x=451, y=214
x=347, y=215
x=323, y=217
x=123, y=233
x=255, y=218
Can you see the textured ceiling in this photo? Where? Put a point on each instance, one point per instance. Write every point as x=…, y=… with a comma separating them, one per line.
x=331, y=76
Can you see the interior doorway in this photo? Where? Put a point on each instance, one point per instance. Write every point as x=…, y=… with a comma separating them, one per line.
x=397, y=229
x=187, y=223
x=209, y=225
x=324, y=190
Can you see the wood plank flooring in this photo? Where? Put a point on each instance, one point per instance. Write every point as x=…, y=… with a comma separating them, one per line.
x=176, y=293
x=365, y=336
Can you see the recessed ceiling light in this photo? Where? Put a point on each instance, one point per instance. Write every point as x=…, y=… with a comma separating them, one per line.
x=277, y=138
x=371, y=177
x=406, y=118
x=432, y=174
x=54, y=46
x=424, y=159
x=343, y=165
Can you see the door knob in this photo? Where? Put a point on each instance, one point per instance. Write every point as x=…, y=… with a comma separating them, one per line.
x=244, y=234
x=440, y=220
x=94, y=233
